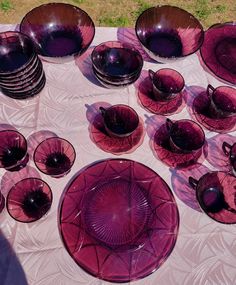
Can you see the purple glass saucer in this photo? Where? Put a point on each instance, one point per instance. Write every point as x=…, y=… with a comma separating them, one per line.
x=147, y=100
x=200, y=113
x=115, y=145
x=115, y=214
x=219, y=50
x=163, y=150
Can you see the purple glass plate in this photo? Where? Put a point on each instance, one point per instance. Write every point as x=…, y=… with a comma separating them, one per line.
x=147, y=100
x=162, y=148
x=115, y=145
x=200, y=113
x=219, y=50
x=119, y=220
x=29, y=199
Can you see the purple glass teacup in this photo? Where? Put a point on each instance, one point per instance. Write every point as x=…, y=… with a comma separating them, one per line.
x=230, y=151
x=13, y=150
x=215, y=192
x=167, y=83
x=186, y=136
x=222, y=101
x=120, y=120
x=55, y=157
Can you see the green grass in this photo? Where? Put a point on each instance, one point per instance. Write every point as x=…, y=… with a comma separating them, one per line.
x=77, y=2
x=142, y=6
x=5, y=5
x=202, y=9
x=114, y=21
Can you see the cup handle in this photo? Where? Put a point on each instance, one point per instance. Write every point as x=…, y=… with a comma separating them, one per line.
x=169, y=124
x=210, y=90
x=102, y=110
x=193, y=182
x=226, y=148
x=151, y=74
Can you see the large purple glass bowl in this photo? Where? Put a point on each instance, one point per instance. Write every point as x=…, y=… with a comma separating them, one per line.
x=59, y=31
x=168, y=33
x=219, y=50
x=116, y=60
x=119, y=220
x=29, y=200
x=54, y=156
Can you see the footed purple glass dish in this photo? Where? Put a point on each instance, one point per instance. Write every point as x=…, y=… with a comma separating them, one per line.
x=219, y=51
x=54, y=156
x=29, y=200
x=116, y=213
x=168, y=33
x=13, y=150
x=60, y=31
x=215, y=192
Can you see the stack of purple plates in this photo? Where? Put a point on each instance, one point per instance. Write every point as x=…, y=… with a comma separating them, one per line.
x=116, y=64
x=21, y=71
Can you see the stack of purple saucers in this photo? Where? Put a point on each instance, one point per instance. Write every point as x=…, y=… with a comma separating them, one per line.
x=116, y=64
x=21, y=71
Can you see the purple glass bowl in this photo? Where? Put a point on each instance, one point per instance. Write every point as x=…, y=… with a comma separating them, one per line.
x=116, y=60
x=168, y=33
x=120, y=120
x=29, y=200
x=16, y=53
x=59, y=31
x=117, y=213
x=219, y=51
x=54, y=156
x=13, y=150
x=215, y=192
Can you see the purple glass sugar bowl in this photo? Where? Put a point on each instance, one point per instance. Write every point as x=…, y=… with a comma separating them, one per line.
x=13, y=150
x=168, y=33
x=120, y=120
x=230, y=151
x=21, y=71
x=186, y=136
x=60, y=31
x=222, y=101
x=116, y=64
x=215, y=192
x=167, y=83
x=29, y=199
x=55, y=157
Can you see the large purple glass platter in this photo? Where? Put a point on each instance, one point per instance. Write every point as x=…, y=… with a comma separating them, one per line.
x=119, y=220
x=219, y=51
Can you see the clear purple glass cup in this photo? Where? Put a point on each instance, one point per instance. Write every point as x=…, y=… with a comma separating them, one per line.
x=120, y=120
x=215, y=192
x=2, y=202
x=167, y=83
x=230, y=151
x=186, y=136
x=13, y=150
x=29, y=199
x=55, y=157
x=222, y=101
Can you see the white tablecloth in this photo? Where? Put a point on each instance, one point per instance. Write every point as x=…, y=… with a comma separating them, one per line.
x=205, y=252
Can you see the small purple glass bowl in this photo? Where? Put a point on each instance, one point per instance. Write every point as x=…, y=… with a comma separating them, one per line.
x=29, y=200
x=116, y=60
x=54, y=156
x=16, y=53
x=13, y=150
x=120, y=120
x=168, y=33
x=60, y=31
